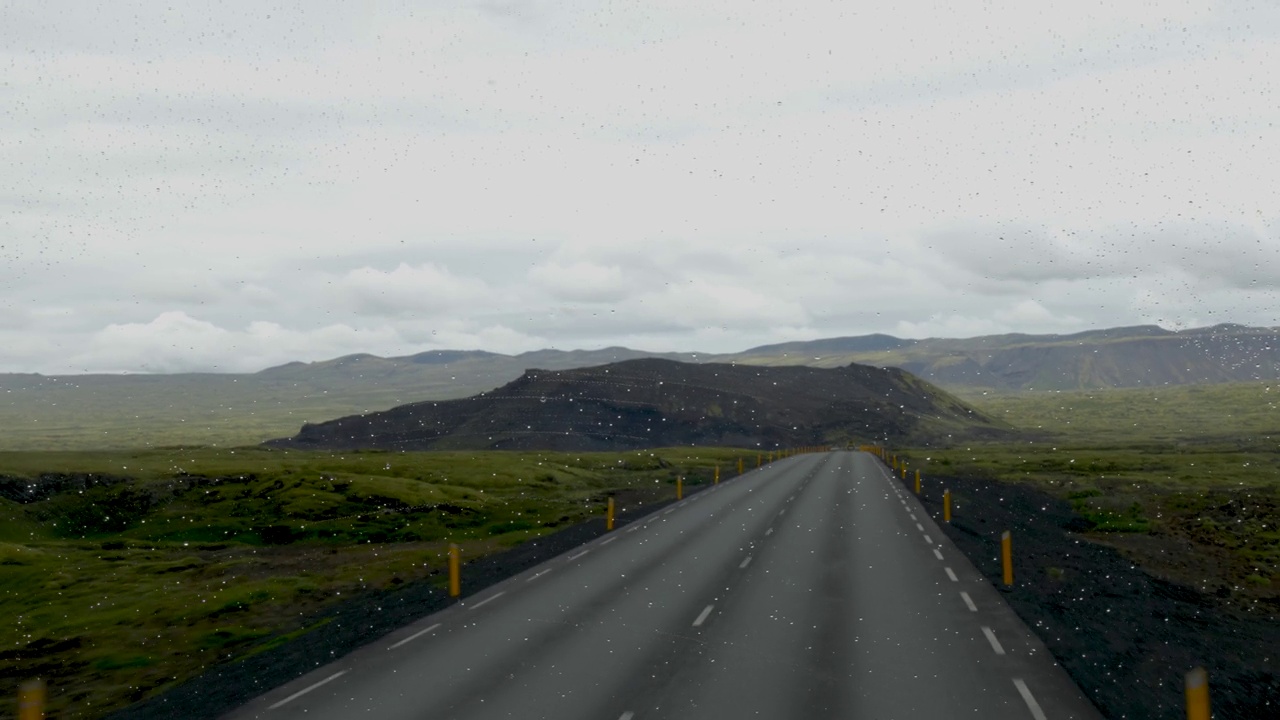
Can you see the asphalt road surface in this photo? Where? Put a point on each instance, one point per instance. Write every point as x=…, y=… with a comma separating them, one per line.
x=815, y=587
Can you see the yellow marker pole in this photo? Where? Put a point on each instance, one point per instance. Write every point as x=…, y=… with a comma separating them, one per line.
x=739, y=466
x=608, y=518
x=1006, y=556
x=946, y=506
x=455, y=571
x=716, y=480
x=1197, y=685
x=31, y=700
x=759, y=457
x=917, y=482
x=679, y=488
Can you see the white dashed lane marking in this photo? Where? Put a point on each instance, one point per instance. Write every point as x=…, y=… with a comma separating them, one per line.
x=991, y=638
x=969, y=601
x=702, y=616
x=306, y=690
x=490, y=599
x=745, y=562
x=919, y=527
x=928, y=539
x=538, y=575
x=1029, y=699
x=416, y=635
x=952, y=574
x=575, y=557
x=937, y=552
x=769, y=531
x=609, y=540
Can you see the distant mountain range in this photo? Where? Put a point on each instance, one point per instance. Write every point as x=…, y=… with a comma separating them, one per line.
x=662, y=403
x=84, y=411
x=1141, y=356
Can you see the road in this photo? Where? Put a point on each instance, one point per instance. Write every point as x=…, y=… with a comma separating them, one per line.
x=815, y=587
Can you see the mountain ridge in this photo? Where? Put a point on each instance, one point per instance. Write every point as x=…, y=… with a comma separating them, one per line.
x=131, y=410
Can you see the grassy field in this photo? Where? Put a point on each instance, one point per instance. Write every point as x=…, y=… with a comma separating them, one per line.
x=1185, y=480
x=143, y=568
x=1233, y=414
x=138, y=411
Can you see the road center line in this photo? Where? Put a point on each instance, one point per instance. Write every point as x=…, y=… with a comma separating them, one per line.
x=538, y=575
x=575, y=557
x=968, y=601
x=626, y=715
x=912, y=515
x=414, y=636
x=609, y=539
x=633, y=528
x=769, y=531
x=952, y=574
x=745, y=563
x=492, y=597
x=1030, y=699
x=937, y=552
x=928, y=539
x=669, y=511
x=306, y=690
x=919, y=527
x=991, y=638
x=702, y=616
x=782, y=512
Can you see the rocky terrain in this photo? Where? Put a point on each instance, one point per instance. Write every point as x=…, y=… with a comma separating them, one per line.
x=663, y=403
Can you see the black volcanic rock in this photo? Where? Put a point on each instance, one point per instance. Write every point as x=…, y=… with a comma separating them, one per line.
x=654, y=403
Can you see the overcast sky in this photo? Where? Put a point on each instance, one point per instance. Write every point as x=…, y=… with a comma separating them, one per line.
x=227, y=188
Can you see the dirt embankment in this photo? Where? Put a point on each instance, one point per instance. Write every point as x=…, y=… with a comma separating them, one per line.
x=1126, y=636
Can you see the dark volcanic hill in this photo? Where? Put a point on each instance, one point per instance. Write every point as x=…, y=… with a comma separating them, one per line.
x=653, y=403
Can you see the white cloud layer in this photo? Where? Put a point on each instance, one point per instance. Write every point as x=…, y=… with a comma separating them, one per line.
x=233, y=186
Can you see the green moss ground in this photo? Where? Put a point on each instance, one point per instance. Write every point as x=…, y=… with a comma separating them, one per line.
x=188, y=557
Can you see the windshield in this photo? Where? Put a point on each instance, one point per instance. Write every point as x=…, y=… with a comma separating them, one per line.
x=324, y=324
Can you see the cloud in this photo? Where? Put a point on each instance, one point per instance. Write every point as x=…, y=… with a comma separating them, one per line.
x=408, y=291
x=217, y=186
x=581, y=281
x=177, y=342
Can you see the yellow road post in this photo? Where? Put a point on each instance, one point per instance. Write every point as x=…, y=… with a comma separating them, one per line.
x=455, y=571
x=608, y=518
x=716, y=479
x=946, y=506
x=679, y=487
x=917, y=482
x=31, y=700
x=1006, y=556
x=1197, y=686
